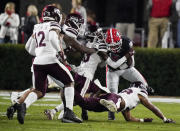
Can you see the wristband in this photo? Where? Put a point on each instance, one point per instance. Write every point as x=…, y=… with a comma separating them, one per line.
x=141, y=120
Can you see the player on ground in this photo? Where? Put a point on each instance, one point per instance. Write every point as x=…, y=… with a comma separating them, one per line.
x=124, y=102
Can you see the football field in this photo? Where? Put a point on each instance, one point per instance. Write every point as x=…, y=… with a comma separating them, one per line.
x=35, y=119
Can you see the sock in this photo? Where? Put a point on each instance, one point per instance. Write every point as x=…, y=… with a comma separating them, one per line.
x=31, y=98
x=69, y=97
x=59, y=107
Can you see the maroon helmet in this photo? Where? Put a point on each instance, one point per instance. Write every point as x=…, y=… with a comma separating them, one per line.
x=74, y=20
x=51, y=13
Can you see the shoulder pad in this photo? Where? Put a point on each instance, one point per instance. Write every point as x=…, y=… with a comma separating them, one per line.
x=55, y=25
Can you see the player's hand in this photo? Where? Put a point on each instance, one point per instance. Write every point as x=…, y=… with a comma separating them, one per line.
x=169, y=121
x=100, y=46
x=148, y=119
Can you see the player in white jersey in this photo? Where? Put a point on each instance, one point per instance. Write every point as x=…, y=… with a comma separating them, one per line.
x=47, y=39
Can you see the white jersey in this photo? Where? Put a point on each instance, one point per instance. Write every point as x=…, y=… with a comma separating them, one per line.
x=89, y=64
x=46, y=47
x=131, y=98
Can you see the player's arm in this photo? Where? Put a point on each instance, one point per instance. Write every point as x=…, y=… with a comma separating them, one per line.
x=154, y=109
x=31, y=45
x=128, y=117
x=75, y=44
x=112, y=63
x=54, y=39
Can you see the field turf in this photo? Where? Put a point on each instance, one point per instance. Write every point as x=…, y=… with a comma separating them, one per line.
x=36, y=121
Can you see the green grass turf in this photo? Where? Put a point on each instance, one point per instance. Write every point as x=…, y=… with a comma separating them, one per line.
x=36, y=121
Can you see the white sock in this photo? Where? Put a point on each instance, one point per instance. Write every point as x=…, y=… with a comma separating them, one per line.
x=69, y=97
x=31, y=98
x=59, y=107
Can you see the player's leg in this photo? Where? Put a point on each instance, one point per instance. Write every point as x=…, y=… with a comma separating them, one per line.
x=133, y=75
x=18, y=96
x=61, y=73
x=39, y=91
x=112, y=81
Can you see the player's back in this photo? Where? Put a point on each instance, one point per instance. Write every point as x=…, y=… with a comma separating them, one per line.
x=131, y=98
x=45, y=51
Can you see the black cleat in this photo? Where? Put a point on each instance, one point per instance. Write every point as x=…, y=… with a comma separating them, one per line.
x=111, y=116
x=21, y=112
x=10, y=111
x=84, y=114
x=70, y=117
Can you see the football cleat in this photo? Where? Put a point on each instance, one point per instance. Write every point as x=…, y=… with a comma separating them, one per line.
x=21, y=112
x=10, y=111
x=109, y=104
x=70, y=117
x=49, y=114
x=111, y=116
x=84, y=114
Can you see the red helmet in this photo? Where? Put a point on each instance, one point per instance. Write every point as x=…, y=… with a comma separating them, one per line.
x=113, y=39
x=50, y=12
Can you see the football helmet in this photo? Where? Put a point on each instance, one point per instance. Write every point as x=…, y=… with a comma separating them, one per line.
x=74, y=21
x=90, y=32
x=51, y=13
x=113, y=40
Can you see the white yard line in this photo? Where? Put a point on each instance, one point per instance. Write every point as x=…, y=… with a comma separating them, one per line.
x=55, y=96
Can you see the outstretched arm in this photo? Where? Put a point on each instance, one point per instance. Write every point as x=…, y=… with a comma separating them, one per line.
x=75, y=44
x=128, y=117
x=154, y=109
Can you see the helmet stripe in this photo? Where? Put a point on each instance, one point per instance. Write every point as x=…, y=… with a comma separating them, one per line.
x=111, y=35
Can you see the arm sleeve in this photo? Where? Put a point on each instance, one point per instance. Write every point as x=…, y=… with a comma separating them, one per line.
x=30, y=46
x=116, y=64
x=3, y=19
x=53, y=37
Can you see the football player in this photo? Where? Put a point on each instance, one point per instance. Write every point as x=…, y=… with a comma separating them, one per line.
x=118, y=47
x=124, y=102
x=47, y=36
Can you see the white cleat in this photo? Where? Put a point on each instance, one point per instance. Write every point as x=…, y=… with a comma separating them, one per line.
x=109, y=104
x=61, y=115
x=49, y=114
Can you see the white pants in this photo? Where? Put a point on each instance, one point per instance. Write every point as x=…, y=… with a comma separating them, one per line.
x=131, y=74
